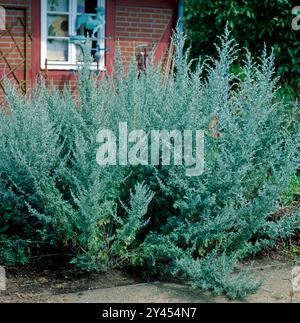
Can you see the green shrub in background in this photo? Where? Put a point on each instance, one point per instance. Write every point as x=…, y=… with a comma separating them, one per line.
x=253, y=22
x=153, y=218
x=293, y=192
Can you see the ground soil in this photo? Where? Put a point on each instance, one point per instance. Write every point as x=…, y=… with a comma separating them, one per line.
x=68, y=285
x=32, y=284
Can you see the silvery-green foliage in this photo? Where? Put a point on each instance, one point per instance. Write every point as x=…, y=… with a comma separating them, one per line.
x=196, y=227
x=229, y=210
x=214, y=272
x=49, y=175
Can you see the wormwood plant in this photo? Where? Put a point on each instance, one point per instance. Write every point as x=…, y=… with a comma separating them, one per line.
x=155, y=218
x=49, y=176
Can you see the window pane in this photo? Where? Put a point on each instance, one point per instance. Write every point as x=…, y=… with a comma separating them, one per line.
x=79, y=54
x=58, y=26
x=87, y=6
x=57, y=50
x=80, y=6
x=58, y=5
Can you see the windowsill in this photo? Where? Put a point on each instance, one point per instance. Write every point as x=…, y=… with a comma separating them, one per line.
x=71, y=68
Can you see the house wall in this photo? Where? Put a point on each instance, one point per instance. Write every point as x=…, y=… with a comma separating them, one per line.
x=16, y=44
x=129, y=22
x=136, y=25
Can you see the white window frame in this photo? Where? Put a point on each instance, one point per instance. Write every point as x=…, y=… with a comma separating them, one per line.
x=2, y=18
x=71, y=64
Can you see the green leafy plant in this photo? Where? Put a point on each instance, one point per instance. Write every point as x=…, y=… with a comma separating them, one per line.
x=291, y=250
x=13, y=251
x=293, y=191
x=253, y=23
x=5, y=213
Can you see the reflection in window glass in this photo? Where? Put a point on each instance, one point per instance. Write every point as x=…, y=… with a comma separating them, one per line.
x=58, y=26
x=58, y=5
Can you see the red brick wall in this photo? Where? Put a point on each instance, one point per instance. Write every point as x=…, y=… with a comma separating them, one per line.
x=140, y=25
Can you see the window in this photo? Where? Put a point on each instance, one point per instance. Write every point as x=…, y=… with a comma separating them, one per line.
x=58, y=28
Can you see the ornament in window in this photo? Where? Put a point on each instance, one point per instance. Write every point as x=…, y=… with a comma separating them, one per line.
x=92, y=24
